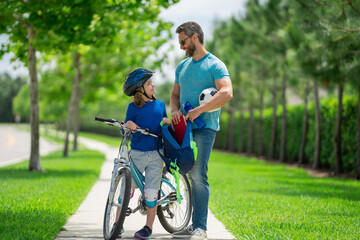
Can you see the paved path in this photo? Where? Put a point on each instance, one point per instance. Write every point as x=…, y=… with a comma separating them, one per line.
x=87, y=222
x=15, y=145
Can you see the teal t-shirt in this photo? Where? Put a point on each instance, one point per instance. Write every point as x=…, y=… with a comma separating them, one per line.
x=194, y=77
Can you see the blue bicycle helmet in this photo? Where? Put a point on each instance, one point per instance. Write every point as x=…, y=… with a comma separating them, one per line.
x=136, y=79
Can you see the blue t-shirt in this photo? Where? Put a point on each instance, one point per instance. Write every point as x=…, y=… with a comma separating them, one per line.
x=149, y=116
x=194, y=77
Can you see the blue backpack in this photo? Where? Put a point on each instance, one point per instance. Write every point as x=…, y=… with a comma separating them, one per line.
x=178, y=158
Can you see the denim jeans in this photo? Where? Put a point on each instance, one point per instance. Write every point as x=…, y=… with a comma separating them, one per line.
x=200, y=190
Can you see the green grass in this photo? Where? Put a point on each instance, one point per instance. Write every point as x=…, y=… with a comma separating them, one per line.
x=112, y=141
x=36, y=205
x=259, y=200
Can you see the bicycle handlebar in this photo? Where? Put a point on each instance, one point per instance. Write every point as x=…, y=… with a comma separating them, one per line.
x=114, y=122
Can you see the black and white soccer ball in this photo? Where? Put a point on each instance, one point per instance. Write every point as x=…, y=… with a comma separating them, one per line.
x=205, y=96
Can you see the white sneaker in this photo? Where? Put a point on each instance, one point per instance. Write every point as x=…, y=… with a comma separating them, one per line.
x=185, y=233
x=199, y=233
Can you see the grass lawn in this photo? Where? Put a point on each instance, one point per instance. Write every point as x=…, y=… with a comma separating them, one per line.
x=259, y=200
x=112, y=141
x=37, y=205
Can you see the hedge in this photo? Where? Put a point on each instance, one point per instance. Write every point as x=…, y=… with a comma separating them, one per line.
x=295, y=116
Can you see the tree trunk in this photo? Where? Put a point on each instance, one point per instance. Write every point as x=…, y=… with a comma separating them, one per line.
x=231, y=131
x=284, y=122
x=77, y=101
x=260, y=128
x=273, y=122
x=251, y=131
x=34, y=164
x=72, y=105
x=76, y=123
x=241, y=132
x=305, y=125
x=317, y=153
x=337, y=140
x=358, y=140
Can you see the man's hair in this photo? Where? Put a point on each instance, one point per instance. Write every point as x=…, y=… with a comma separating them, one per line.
x=189, y=28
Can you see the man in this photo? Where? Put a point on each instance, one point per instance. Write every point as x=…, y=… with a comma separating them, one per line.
x=199, y=71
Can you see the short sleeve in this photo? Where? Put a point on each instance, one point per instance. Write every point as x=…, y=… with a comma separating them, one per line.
x=130, y=113
x=220, y=70
x=177, y=75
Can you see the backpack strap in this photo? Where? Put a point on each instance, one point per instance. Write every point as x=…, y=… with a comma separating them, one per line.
x=159, y=146
x=188, y=135
x=188, y=140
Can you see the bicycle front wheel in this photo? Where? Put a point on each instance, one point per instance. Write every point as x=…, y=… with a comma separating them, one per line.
x=172, y=215
x=115, y=210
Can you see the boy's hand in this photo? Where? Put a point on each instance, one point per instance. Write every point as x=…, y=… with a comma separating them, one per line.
x=166, y=121
x=131, y=125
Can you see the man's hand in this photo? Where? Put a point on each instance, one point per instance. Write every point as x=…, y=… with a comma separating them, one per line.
x=176, y=116
x=193, y=114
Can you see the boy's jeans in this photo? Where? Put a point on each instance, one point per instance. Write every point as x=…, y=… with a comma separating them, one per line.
x=200, y=191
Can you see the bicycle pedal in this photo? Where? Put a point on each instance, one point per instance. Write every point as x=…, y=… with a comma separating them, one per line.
x=128, y=212
x=172, y=196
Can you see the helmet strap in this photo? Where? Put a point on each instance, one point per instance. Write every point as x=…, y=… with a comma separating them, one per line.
x=144, y=93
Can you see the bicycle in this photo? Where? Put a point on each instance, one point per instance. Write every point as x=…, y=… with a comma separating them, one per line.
x=172, y=215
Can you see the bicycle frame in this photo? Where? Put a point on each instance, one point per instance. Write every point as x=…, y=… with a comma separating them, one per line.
x=171, y=215
x=124, y=160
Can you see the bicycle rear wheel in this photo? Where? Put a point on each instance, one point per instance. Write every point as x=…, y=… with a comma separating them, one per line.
x=172, y=215
x=115, y=210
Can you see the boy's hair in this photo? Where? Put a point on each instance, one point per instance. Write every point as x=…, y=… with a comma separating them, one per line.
x=189, y=28
x=138, y=99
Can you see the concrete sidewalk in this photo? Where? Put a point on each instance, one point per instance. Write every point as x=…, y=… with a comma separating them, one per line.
x=87, y=222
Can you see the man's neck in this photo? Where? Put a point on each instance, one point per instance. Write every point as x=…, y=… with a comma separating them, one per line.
x=199, y=53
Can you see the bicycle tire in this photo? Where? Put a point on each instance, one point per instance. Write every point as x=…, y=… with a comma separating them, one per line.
x=172, y=215
x=121, y=196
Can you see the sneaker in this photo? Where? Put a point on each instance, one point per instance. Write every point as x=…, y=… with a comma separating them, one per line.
x=121, y=232
x=198, y=233
x=144, y=233
x=185, y=233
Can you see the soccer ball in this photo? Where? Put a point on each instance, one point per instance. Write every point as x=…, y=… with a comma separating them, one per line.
x=206, y=94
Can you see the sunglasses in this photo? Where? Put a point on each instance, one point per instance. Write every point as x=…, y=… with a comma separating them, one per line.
x=182, y=42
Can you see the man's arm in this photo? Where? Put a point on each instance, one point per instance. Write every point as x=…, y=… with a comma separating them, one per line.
x=175, y=103
x=224, y=94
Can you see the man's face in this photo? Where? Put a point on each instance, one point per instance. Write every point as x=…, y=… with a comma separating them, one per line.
x=187, y=44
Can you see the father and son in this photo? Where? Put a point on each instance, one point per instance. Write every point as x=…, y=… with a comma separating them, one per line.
x=201, y=70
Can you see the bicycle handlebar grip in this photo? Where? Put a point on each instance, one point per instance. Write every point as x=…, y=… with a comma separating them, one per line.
x=105, y=120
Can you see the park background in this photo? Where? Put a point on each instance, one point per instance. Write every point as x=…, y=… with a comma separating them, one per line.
x=294, y=66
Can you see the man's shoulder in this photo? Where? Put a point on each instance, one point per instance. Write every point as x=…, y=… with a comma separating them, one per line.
x=212, y=58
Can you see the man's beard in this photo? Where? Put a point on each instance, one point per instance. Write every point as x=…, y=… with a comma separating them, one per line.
x=190, y=50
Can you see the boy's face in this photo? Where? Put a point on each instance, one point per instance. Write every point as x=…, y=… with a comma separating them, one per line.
x=149, y=88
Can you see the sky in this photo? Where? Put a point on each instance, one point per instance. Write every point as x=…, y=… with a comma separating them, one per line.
x=204, y=12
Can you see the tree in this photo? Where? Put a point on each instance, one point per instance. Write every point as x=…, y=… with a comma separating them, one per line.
x=116, y=22
x=30, y=29
x=9, y=88
x=44, y=26
x=331, y=24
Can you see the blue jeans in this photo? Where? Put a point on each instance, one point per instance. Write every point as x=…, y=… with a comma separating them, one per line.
x=200, y=190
